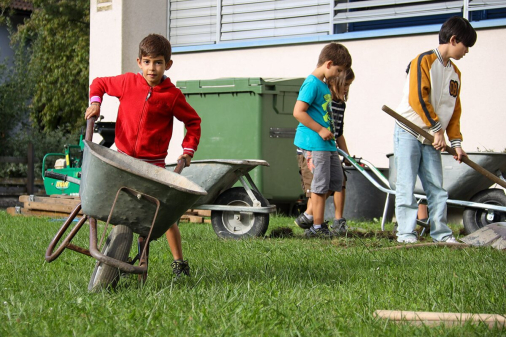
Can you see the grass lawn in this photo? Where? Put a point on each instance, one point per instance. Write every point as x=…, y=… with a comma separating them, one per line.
x=273, y=286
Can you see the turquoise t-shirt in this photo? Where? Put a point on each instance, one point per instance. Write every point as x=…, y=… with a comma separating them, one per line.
x=317, y=94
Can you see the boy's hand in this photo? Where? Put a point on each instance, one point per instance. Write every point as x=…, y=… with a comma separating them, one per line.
x=93, y=110
x=187, y=159
x=325, y=134
x=460, y=154
x=439, y=141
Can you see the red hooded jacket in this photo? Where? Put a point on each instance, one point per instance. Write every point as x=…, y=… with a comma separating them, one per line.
x=145, y=115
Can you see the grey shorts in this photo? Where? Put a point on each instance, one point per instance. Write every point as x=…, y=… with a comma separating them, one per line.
x=327, y=171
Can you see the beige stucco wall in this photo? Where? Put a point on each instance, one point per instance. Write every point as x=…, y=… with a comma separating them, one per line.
x=379, y=65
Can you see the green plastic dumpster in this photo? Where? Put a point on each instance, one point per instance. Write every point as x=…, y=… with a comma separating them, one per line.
x=250, y=118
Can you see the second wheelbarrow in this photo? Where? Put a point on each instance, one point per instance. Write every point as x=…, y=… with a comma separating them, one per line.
x=486, y=205
x=236, y=212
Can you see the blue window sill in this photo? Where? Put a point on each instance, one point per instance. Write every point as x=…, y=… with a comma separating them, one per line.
x=336, y=37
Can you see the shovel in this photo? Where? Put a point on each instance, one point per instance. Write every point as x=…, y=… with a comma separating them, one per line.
x=448, y=149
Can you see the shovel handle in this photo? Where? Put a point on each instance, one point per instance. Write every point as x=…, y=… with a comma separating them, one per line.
x=448, y=149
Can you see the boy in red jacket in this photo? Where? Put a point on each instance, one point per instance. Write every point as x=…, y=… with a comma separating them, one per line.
x=148, y=104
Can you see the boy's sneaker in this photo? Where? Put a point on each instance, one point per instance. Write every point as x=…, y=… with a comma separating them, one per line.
x=339, y=226
x=450, y=239
x=322, y=232
x=408, y=240
x=180, y=267
x=303, y=222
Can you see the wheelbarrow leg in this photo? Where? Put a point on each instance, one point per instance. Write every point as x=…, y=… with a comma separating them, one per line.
x=246, y=183
x=385, y=211
x=143, y=251
x=50, y=256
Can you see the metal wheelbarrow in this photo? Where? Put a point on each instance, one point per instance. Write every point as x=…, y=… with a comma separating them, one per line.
x=236, y=212
x=135, y=196
x=482, y=205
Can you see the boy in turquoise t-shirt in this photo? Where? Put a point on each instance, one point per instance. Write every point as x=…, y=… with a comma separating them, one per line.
x=314, y=134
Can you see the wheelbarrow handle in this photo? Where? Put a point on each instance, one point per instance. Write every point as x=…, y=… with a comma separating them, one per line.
x=448, y=149
x=181, y=163
x=90, y=125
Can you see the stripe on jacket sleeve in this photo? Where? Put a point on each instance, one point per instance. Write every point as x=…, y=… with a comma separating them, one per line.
x=419, y=83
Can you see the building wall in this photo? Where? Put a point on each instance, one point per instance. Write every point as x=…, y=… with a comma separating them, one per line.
x=379, y=65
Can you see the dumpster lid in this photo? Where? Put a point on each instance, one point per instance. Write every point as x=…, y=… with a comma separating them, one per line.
x=240, y=84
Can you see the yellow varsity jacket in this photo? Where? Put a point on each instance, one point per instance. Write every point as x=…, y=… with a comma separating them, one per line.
x=431, y=97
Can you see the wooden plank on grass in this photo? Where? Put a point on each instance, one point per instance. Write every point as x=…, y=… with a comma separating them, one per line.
x=28, y=212
x=42, y=206
x=436, y=318
x=192, y=218
x=196, y=219
x=204, y=212
x=61, y=196
x=73, y=202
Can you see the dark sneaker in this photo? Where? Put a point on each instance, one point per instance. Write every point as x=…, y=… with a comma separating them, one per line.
x=322, y=232
x=339, y=226
x=180, y=267
x=303, y=222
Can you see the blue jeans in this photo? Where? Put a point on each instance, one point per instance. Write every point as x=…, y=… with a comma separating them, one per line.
x=413, y=158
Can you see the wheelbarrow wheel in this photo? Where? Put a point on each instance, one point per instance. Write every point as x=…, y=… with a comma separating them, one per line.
x=117, y=246
x=237, y=225
x=475, y=218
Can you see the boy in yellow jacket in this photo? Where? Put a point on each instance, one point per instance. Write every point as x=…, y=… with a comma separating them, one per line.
x=431, y=100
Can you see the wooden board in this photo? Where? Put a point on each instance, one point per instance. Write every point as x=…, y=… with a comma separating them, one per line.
x=12, y=211
x=43, y=206
x=204, y=212
x=62, y=205
x=436, y=318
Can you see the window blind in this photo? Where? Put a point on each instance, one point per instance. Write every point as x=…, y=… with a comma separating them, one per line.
x=192, y=22
x=373, y=10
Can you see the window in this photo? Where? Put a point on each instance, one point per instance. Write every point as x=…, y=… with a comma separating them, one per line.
x=194, y=22
x=359, y=15
x=214, y=22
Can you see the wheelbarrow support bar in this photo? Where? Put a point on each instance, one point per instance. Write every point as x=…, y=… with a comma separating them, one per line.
x=448, y=149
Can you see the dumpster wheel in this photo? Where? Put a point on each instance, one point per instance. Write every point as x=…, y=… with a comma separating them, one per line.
x=117, y=246
x=235, y=224
x=475, y=218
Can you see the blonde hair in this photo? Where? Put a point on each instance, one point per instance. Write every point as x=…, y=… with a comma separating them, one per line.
x=336, y=85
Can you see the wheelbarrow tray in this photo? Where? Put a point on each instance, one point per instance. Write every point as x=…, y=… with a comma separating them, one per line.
x=217, y=175
x=106, y=172
x=459, y=180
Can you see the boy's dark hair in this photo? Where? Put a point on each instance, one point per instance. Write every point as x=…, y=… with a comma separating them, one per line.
x=459, y=27
x=155, y=45
x=337, y=53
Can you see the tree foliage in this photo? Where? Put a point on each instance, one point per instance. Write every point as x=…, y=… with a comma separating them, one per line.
x=44, y=88
x=56, y=40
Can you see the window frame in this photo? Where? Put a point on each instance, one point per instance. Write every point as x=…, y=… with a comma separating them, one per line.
x=333, y=34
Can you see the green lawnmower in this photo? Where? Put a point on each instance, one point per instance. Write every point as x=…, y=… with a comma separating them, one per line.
x=69, y=163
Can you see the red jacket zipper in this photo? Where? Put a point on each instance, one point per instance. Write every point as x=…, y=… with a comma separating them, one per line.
x=140, y=120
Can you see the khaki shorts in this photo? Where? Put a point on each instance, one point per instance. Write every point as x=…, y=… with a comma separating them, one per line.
x=306, y=177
